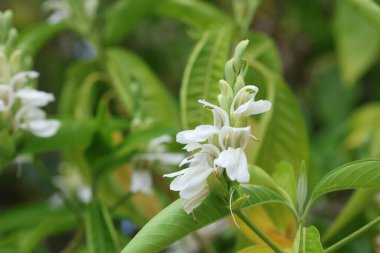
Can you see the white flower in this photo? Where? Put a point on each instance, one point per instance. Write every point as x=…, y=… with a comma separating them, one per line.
x=220, y=116
x=32, y=97
x=141, y=181
x=233, y=141
x=191, y=182
x=33, y=120
x=193, y=138
x=244, y=103
x=18, y=80
x=84, y=194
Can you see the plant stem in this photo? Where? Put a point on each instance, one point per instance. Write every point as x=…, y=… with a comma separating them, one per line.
x=347, y=239
x=268, y=241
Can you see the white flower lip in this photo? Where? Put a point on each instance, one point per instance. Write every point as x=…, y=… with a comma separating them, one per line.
x=220, y=116
x=41, y=128
x=235, y=162
x=34, y=97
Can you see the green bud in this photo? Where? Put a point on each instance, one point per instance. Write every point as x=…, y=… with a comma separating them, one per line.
x=240, y=83
x=229, y=71
x=238, y=55
x=5, y=25
x=302, y=189
x=226, y=96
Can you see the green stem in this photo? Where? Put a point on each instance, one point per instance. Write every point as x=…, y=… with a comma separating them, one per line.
x=347, y=239
x=268, y=241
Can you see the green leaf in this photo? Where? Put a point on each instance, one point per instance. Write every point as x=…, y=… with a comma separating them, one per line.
x=368, y=9
x=176, y=223
x=101, y=234
x=204, y=69
x=282, y=130
x=34, y=37
x=70, y=134
x=355, y=175
x=124, y=15
x=139, y=90
x=283, y=176
x=196, y=14
x=307, y=241
x=358, y=42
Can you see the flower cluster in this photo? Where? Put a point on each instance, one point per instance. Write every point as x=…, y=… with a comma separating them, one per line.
x=219, y=147
x=20, y=105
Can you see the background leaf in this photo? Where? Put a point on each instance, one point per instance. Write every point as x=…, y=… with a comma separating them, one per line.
x=358, y=42
x=133, y=79
x=204, y=69
x=101, y=234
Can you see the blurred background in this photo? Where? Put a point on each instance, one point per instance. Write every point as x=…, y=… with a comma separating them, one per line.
x=330, y=59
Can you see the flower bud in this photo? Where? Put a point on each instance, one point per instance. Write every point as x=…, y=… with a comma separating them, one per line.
x=239, y=51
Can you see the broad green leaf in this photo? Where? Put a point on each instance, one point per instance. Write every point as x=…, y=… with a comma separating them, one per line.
x=139, y=89
x=369, y=9
x=307, y=241
x=284, y=178
x=358, y=174
x=197, y=14
x=204, y=69
x=176, y=223
x=70, y=134
x=363, y=125
x=358, y=42
x=124, y=15
x=282, y=130
x=358, y=202
x=33, y=38
x=101, y=234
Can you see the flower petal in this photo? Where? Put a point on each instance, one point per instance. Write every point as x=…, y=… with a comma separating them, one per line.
x=41, y=128
x=18, y=80
x=234, y=137
x=199, y=134
x=34, y=97
x=235, y=163
x=253, y=108
x=190, y=204
x=141, y=181
x=220, y=116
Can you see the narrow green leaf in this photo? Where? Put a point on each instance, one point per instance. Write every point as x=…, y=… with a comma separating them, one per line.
x=358, y=174
x=283, y=176
x=34, y=37
x=307, y=241
x=204, y=69
x=139, y=89
x=101, y=234
x=196, y=14
x=358, y=42
x=124, y=15
x=176, y=223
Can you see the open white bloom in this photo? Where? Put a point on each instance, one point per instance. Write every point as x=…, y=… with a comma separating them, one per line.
x=33, y=97
x=141, y=181
x=233, y=141
x=20, y=79
x=244, y=103
x=32, y=119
